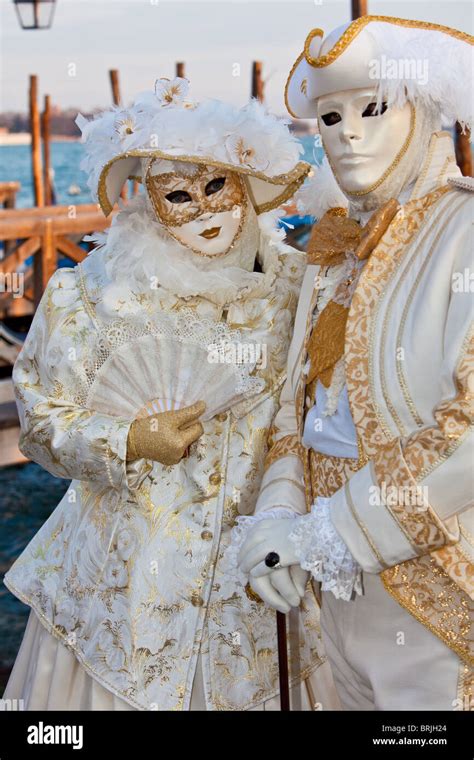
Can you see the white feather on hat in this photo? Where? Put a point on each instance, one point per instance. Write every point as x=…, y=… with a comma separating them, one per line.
x=163, y=124
x=404, y=59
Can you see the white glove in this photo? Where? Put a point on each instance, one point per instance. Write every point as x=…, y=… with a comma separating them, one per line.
x=283, y=589
x=310, y=541
x=268, y=536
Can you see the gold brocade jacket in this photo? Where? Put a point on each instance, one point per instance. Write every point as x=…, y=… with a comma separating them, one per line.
x=409, y=371
x=128, y=571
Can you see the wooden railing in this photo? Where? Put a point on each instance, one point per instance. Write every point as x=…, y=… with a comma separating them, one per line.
x=46, y=233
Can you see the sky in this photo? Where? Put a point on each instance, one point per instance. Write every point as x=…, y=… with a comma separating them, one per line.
x=144, y=38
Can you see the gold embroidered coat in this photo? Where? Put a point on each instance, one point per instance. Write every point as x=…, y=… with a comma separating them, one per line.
x=128, y=569
x=410, y=378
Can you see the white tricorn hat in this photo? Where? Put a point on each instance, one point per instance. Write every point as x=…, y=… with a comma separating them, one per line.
x=403, y=59
x=119, y=144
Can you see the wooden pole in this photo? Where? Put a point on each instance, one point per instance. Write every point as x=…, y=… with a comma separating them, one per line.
x=358, y=8
x=463, y=151
x=45, y=261
x=36, y=142
x=257, y=81
x=48, y=190
x=116, y=99
x=180, y=69
x=114, y=81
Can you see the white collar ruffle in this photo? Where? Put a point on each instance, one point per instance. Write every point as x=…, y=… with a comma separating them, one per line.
x=136, y=261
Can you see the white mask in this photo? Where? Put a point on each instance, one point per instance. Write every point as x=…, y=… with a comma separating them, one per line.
x=211, y=234
x=363, y=145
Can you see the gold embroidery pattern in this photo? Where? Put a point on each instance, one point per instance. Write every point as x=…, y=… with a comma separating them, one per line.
x=429, y=594
x=362, y=526
x=457, y=565
x=369, y=423
x=328, y=473
x=419, y=585
x=287, y=445
x=418, y=521
x=400, y=336
x=426, y=449
x=466, y=688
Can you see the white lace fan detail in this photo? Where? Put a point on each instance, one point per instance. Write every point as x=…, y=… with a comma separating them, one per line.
x=179, y=360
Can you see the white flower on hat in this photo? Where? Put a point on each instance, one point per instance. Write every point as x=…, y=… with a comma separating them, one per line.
x=250, y=139
x=126, y=127
x=171, y=92
x=245, y=152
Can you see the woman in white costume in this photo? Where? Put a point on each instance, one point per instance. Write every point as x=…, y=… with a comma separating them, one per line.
x=377, y=413
x=131, y=384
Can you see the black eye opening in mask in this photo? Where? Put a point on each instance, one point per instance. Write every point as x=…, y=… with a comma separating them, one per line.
x=372, y=110
x=214, y=185
x=178, y=196
x=333, y=117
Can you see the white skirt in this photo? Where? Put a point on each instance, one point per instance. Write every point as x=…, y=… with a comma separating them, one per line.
x=47, y=676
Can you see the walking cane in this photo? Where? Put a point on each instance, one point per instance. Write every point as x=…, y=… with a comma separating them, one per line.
x=283, y=663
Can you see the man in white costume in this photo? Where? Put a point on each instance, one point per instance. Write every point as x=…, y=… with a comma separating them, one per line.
x=376, y=414
x=129, y=383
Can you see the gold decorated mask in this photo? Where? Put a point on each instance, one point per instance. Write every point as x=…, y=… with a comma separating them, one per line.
x=181, y=197
x=201, y=206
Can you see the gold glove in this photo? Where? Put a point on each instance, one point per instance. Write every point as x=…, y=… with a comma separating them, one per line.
x=164, y=437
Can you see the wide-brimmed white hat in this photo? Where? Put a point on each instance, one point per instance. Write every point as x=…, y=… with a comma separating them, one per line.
x=404, y=59
x=164, y=125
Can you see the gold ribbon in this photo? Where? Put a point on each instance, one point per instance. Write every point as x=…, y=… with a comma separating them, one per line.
x=332, y=239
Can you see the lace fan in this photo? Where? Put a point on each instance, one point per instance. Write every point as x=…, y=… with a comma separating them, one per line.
x=182, y=361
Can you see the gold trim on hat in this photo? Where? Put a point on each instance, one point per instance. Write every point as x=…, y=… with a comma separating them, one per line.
x=360, y=23
x=350, y=33
x=290, y=180
x=313, y=33
x=290, y=76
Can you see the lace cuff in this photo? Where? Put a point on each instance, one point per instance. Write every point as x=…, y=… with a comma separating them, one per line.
x=239, y=535
x=321, y=550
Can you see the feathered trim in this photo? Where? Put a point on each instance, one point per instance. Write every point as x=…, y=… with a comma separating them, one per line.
x=248, y=137
x=320, y=192
x=424, y=66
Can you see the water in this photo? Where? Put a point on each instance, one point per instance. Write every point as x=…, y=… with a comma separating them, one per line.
x=28, y=496
x=15, y=165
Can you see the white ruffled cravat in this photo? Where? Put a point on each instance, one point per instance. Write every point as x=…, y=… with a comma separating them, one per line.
x=140, y=254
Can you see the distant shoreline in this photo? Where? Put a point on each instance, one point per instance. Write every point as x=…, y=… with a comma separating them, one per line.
x=24, y=138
